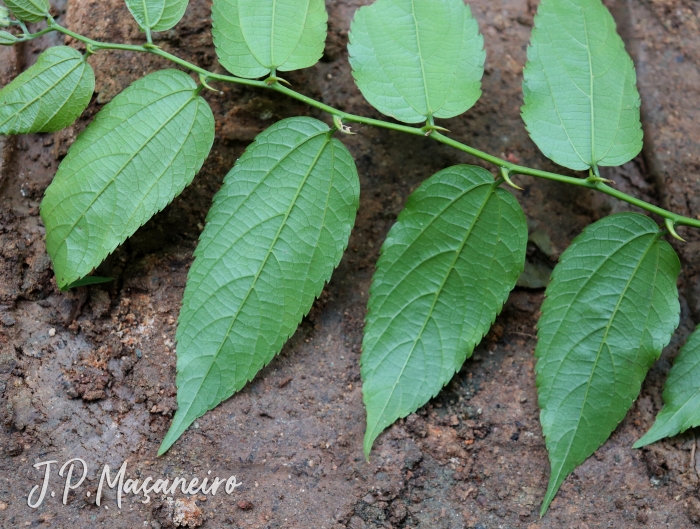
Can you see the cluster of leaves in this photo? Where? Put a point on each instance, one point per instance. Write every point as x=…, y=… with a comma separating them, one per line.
x=282, y=219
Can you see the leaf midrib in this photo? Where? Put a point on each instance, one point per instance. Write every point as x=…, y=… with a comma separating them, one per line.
x=420, y=60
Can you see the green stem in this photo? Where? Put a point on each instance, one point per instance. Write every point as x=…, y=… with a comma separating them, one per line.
x=589, y=183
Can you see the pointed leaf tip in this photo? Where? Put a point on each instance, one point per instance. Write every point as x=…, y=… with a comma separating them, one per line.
x=681, y=396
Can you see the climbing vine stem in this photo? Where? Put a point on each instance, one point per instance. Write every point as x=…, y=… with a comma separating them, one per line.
x=671, y=219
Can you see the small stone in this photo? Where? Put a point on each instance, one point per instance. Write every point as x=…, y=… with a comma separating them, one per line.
x=52, y=332
x=245, y=505
x=3, y=506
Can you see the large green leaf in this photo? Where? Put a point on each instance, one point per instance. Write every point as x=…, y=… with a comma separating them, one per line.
x=611, y=308
x=137, y=155
x=256, y=37
x=445, y=271
x=29, y=10
x=50, y=95
x=157, y=15
x=581, y=100
x=681, y=395
x=417, y=59
x=276, y=231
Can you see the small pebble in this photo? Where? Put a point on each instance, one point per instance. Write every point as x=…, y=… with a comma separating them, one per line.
x=52, y=332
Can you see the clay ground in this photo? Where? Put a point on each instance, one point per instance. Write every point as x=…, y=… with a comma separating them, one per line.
x=91, y=373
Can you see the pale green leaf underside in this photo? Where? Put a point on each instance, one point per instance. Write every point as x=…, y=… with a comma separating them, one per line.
x=445, y=271
x=29, y=10
x=581, y=100
x=157, y=15
x=256, y=37
x=138, y=154
x=681, y=395
x=611, y=308
x=50, y=95
x=277, y=229
x=415, y=59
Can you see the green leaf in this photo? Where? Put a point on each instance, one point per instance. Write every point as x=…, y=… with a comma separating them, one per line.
x=50, y=95
x=681, y=395
x=581, y=100
x=276, y=231
x=7, y=39
x=256, y=37
x=445, y=271
x=611, y=308
x=157, y=15
x=87, y=281
x=138, y=154
x=29, y=10
x=416, y=60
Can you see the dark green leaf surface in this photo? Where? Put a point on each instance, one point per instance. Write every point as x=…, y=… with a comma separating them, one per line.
x=445, y=271
x=50, y=95
x=256, y=37
x=611, y=308
x=157, y=15
x=276, y=231
x=581, y=100
x=417, y=59
x=29, y=10
x=681, y=395
x=138, y=154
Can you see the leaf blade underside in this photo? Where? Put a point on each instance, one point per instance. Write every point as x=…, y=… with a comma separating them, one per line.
x=582, y=107
x=29, y=10
x=255, y=37
x=139, y=153
x=417, y=59
x=446, y=268
x=610, y=309
x=48, y=96
x=157, y=15
x=276, y=231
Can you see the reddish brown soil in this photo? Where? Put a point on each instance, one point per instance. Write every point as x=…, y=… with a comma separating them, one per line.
x=91, y=373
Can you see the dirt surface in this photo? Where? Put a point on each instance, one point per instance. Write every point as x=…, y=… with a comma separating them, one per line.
x=91, y=373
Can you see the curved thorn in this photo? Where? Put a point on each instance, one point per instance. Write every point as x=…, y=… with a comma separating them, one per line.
x=430, y=128
x=505, y=174
x=203, y=79
x=273, y=79
x=597, y=179
x=671, y=227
